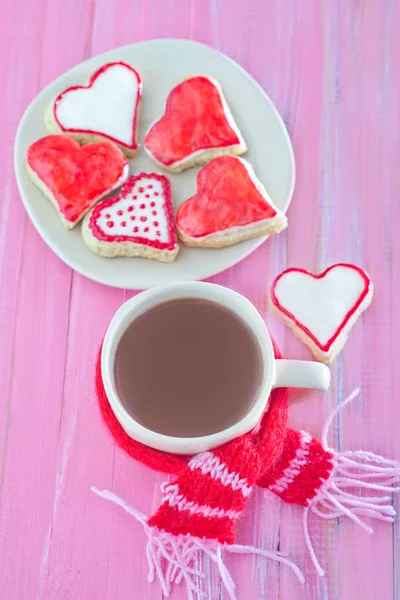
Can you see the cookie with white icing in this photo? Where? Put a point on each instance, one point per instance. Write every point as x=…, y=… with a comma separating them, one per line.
x=75, y=177
x=321, y=309
x=197, y=126
x=104, y=109
x=138, y=222
x=231, y=205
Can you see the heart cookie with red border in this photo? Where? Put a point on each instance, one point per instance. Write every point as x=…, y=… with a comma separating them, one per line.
x=321, y=309
x=231, y=205
x=196, y=127
x=75, y=177
x=105, y=109
x=138, y=222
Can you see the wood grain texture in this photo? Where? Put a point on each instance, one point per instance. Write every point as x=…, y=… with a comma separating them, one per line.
x=331, y=67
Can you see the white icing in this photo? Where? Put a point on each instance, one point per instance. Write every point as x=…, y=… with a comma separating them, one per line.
x=124, y=203
x=121, y=180
x=108, y=107
x=196, y=153
x=320, y=305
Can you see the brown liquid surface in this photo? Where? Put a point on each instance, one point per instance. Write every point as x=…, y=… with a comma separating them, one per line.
x=188, y=368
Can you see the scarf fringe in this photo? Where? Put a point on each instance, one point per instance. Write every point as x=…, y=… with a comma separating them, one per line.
x=172, y=558
x=353, y=472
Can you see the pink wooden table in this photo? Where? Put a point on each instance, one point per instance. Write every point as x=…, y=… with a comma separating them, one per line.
x=332, y=70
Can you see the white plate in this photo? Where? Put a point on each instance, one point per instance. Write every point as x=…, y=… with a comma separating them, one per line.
x=162, y=64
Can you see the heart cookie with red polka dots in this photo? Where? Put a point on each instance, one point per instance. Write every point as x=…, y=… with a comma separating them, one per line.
x=138, y=222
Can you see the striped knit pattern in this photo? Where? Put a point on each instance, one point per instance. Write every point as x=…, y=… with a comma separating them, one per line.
x=210, y=490
x=210, y=493
x=297, y=475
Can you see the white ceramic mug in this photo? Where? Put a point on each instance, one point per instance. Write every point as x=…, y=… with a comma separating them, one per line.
x=276, y=373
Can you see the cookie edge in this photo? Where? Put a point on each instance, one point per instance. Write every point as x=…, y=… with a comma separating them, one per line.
x=127, y=249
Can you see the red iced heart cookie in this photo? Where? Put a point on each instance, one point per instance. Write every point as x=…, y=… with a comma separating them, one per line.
x=197, y=126
x=321, y=309
x=231, y=205
x=139, y=222
x=107, y=108
x=75, y=177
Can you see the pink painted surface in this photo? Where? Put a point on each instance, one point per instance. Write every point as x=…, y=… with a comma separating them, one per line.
x=332, y=70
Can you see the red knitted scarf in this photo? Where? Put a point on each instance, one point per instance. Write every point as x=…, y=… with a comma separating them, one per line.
x=209, y=491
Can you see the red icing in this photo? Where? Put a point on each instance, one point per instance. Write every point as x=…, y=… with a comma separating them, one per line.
x=326, y=347
x=137, y=239
x=226, y=197
x=194, y=120
x=93, y=78
x=77, y=176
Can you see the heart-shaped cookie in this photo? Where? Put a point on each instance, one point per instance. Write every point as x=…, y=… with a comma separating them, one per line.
x=139, y=222
x=230, y=205
x=75, y=177
x=321, y=309
x=105, y=109
x=196, y=127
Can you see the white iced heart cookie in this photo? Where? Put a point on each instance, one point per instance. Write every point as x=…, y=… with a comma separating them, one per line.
x=105, y=109
x=321, y=309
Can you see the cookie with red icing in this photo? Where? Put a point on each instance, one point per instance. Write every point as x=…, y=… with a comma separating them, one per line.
x=231, y=205
x=75, y=177
x=138, y=222
x=104, y=109
x=197, y=126
x=321, y=309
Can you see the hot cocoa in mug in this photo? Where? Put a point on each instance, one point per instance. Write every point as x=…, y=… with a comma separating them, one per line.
x=189, y=366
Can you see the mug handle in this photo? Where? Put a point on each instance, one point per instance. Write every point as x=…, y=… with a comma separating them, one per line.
x=301, y=374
